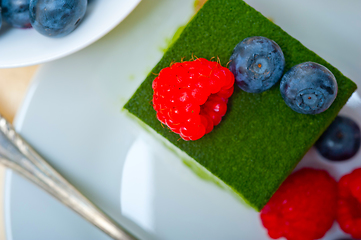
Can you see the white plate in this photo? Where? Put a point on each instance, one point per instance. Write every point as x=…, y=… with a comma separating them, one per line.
x=24, y=47
x=72, y=116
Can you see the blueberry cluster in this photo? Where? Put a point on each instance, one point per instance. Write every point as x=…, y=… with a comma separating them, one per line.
x=258, y=64
x=52, y=18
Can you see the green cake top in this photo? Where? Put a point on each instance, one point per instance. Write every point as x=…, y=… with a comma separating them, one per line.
x=260, y=139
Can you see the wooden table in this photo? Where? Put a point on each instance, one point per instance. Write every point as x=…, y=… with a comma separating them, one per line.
x=13, y=85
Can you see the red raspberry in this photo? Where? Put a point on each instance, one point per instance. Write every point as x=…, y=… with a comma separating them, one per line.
x=349, y=203
x=191, y=97
x=303, y=208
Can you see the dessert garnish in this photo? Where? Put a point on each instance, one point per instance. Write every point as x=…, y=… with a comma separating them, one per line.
x=257, y=64
x=309, y=88
x=191, y=97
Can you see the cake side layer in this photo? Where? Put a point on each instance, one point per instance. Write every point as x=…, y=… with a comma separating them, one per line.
x=189, y=162
x=260, y=140
x=192, y=164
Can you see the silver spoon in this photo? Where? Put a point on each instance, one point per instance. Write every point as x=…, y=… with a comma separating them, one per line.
x=18, y=155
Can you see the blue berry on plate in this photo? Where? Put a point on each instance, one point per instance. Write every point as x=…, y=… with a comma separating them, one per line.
x=309, y=88
x=341, y=141
x=1, y=22
x=16, y=13
x=257, y=64
x=56, y=18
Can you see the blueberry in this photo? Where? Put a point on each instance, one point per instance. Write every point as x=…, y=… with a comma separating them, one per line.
x=1, y=22
x=340, y=141
x=308, y=88
x=16, y=13
x=257, y=64
x=56, y=18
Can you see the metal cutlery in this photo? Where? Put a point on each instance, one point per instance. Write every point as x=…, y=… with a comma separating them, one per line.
x=17, y=154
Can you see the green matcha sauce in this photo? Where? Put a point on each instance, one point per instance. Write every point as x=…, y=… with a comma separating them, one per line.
x=170, y=41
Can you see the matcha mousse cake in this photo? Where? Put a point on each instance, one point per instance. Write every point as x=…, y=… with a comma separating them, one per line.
x=260, y=139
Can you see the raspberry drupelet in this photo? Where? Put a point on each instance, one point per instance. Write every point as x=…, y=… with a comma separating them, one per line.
x=303, y=208
x=191, y=97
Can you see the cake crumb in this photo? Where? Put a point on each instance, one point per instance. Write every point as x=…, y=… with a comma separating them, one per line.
x=198, y=4
x=271, y=19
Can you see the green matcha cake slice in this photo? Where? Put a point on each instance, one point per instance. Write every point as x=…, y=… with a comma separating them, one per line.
x=260, y=139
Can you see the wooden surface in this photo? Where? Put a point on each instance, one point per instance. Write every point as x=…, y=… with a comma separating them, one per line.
x=13, y=85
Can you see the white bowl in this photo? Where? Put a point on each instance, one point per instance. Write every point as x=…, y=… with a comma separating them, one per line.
x=25, y=47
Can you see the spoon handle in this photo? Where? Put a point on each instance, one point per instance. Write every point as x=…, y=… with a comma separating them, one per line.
x=17, y=154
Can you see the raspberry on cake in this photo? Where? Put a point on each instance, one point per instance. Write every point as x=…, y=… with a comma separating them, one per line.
x=191, y=97
x=349, y=203
x=303, y=208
